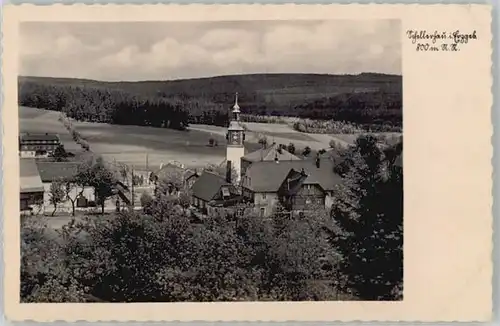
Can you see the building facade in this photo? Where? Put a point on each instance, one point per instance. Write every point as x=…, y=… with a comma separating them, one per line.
x=294, y=185
x=65, y=172
x=211, y=192
x=38, y=145
x=31, y=187
x=272, y=176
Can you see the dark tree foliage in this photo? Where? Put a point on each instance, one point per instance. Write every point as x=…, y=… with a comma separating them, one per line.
x=367, y=109
x=366, y=99
x=163, y=257
x=44, y=276
x=368, y=209
x=99, y=104
x=60, y=154
x=307, y=151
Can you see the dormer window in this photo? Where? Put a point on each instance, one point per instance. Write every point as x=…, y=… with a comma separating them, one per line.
x=225, y=192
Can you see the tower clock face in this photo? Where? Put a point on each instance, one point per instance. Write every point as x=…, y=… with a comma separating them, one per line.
x=235, y=138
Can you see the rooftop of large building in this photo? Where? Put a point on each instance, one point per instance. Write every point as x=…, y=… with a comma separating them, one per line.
x=50, y=171
x=270, y=153
x=38, y=137
x=267, y=176
x=30, y=180
x=170, y=170
x=209, y=184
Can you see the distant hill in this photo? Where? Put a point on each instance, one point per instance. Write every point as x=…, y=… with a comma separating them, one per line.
x=262, y=94
x=276, y=91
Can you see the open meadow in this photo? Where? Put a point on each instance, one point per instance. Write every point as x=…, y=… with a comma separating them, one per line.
x=149, y=147
x=282, y=134
x=42, y=121
x=132, y=145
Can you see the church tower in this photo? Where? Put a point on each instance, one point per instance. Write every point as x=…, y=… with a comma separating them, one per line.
x=235, y=140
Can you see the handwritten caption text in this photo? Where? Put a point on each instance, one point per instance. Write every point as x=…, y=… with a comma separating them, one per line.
x=438, y=41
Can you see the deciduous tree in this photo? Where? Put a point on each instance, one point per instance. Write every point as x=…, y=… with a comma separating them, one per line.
x=57, y=194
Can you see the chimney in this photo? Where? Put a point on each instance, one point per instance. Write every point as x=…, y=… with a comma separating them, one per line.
x=317, y=162
x=228, y=172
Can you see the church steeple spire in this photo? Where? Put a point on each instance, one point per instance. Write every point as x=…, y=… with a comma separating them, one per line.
x=236, y=107
x=235, y=139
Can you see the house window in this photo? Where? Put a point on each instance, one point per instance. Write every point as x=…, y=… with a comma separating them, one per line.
x=225, y=192
x=264, y=196
x=262, y=211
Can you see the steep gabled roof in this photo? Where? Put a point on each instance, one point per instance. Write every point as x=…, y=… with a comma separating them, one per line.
x=30, y=180
x=268, y=176
x=208, y=186
x=269, y=154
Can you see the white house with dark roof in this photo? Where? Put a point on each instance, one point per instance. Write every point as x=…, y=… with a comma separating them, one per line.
x=62, y=171
x=33, y=145
x=211, y=191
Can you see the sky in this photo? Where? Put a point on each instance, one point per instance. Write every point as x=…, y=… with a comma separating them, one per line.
x=176, y=50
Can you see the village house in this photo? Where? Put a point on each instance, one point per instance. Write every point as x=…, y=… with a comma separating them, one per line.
x=270, y=176
x=36, y=178
x=31, y=186
x=175, y=173
x=38, y=145
x=295, y=185
x=269, y=153
x=63, y=171
x=211, y=192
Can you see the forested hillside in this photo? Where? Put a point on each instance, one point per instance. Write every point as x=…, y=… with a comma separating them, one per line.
x=361, y=99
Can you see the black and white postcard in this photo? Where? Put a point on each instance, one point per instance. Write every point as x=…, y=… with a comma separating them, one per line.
x=247, y=156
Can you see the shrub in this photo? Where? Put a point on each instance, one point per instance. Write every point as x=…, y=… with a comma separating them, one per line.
x=306, y=151
x=263, y=141
x=146, y=200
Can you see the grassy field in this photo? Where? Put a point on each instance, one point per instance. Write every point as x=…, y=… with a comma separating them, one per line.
x=279, y=133
x=42, y=121
x=133, y=145
x=149, y=147
x=140, y=146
